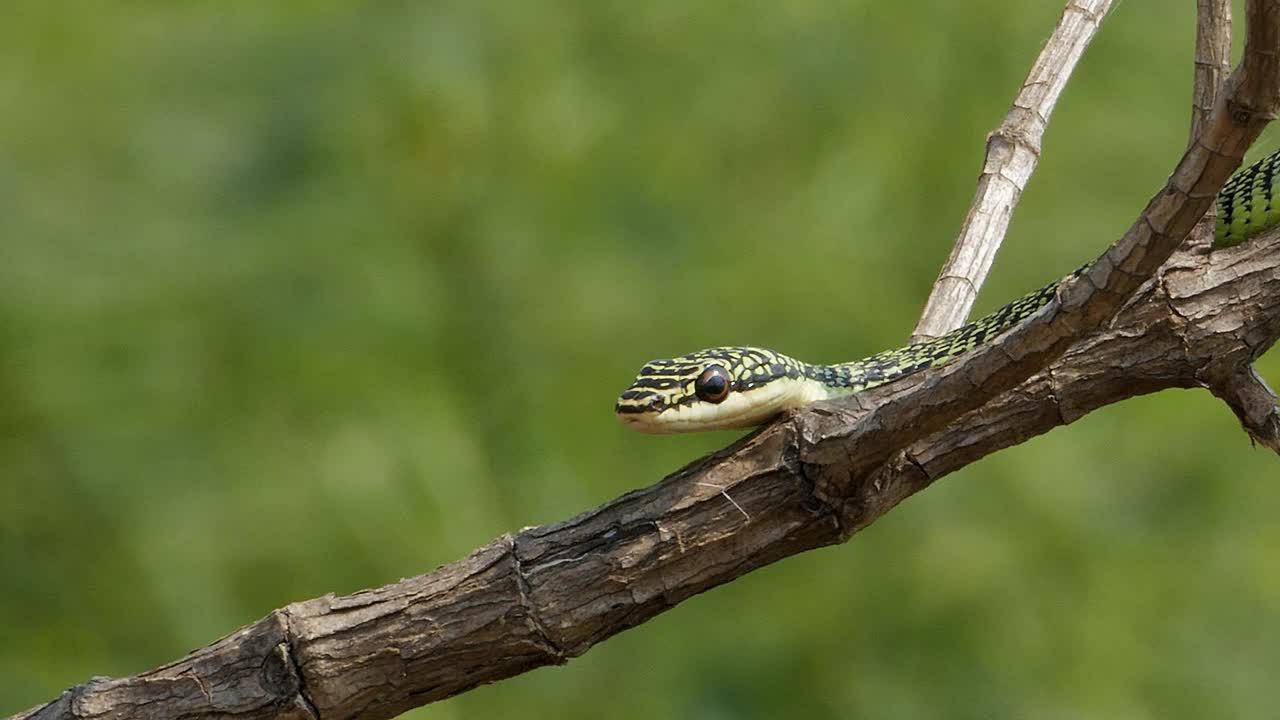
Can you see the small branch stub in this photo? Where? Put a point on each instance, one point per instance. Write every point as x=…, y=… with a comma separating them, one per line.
x=1254, y=403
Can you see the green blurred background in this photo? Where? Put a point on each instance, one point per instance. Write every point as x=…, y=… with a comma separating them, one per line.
x=304, y=297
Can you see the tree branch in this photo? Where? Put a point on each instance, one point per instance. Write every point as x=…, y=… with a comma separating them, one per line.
x=1013, y=150
x=1213, y=60
x=854, y=435
x=549, y=593
x=1254, y=403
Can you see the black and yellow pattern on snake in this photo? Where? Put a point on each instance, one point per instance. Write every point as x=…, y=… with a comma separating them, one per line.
x=735, y=387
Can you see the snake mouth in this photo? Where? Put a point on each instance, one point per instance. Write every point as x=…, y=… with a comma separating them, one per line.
x=642, y=420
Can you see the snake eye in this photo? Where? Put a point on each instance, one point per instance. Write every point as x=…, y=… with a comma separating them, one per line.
x=712, y=385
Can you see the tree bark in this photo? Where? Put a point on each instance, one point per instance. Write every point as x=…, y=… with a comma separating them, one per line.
x=1139, y=319
x=546, y=594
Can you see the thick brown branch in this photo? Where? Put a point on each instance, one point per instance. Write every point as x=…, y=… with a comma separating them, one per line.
x=549, y=593
x=1184, y=330
x=852, y=437
x=1013, y=150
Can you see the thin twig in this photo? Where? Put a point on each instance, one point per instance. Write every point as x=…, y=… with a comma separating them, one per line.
x=725, y=493
x=1013, y=150
x=574, y=584
x=870, y=427
x=1213, y=60
x=553, y=592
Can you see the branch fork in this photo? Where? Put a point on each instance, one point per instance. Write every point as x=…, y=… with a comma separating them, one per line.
x=546, y=594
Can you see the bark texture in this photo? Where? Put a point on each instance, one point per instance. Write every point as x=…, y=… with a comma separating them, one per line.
x=1138, y=320
x=546, y=594
x=1213, y=60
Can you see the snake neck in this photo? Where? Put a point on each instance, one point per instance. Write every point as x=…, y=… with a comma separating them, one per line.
x=852, y=377
x=734, y=387
x=1248, y=204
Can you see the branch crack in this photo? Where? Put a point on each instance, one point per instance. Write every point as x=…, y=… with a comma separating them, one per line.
x=302, y=695
x=553, y=649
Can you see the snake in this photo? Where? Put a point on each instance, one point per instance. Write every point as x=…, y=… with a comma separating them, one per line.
x=724, y=388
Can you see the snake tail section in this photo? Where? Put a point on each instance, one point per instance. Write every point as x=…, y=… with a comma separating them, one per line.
x=1247, y=204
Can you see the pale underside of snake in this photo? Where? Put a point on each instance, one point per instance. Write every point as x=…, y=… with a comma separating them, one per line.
x=735, y=387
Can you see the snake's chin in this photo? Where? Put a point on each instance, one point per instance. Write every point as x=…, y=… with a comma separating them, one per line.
x=740, y=410
x=644, y=423
x=652, y=424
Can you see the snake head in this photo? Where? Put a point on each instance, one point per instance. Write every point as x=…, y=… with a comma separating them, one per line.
x=714, y=389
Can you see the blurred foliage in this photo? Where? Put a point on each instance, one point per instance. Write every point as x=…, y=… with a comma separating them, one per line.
x=304, y=297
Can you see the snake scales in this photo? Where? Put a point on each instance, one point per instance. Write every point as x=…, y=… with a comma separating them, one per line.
x=734, y=387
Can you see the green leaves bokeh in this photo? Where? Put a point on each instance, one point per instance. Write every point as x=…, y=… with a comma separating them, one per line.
x=305, y=297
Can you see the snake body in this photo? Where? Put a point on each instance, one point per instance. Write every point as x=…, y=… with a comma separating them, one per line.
x=734, y=387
